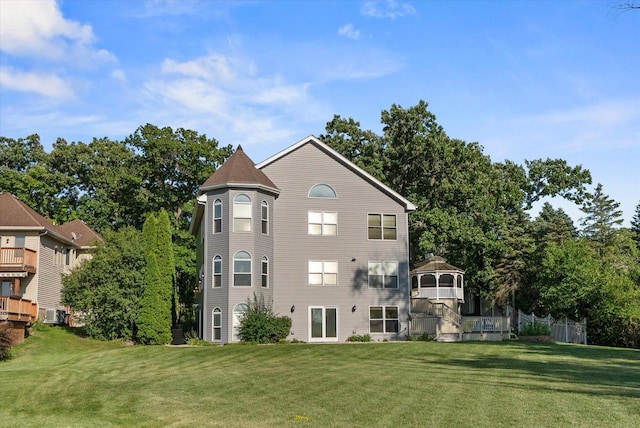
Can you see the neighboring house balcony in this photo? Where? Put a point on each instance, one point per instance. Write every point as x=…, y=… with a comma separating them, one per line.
x=18, y=260
x=17, y=309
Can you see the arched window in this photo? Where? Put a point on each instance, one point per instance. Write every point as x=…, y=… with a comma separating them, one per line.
x=242, y=213
x=217, y=272
x=242, y=269
x=322, y=191
x=238, y=313
x=217, y=216
x=265, y=272
x=427, y=280
x=264, y=216
x=216, y=324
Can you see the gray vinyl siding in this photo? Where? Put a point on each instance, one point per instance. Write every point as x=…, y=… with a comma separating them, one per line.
x=294, y=174
x=216, y=244
x=226, y=244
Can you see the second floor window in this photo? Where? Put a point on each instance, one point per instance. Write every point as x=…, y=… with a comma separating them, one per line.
x=323, y=223
x=242, y=269
x=242, y=213
x=323, y=272
x=217, y=272
x=383, y=274
x=381, y=226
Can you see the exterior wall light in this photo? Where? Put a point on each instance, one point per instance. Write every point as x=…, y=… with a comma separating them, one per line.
x=293, y=308
x=353, y=309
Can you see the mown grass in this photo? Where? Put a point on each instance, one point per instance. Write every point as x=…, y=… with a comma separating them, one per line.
x=59, y=379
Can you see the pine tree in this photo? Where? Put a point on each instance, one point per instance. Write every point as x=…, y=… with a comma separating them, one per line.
x=167, y=264
x=154, y=315
x=153, y=327
x=602, y=217
x=635, y=226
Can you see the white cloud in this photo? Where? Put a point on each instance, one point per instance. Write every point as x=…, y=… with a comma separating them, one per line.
x=46, y=84
x=119, y=75
x=349, y=31
x=387, y=9
x=38, y=28
x=210, y=67
x=227, y=96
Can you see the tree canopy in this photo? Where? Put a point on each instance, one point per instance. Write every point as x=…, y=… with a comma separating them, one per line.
x=470, y=209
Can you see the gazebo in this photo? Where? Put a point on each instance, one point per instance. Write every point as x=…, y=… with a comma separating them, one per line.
x=435, y=279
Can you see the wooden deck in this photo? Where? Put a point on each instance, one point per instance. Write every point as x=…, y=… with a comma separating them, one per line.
x=18, y=259
x=17, y=309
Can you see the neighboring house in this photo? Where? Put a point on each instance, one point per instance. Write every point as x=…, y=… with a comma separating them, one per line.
x=34, y=253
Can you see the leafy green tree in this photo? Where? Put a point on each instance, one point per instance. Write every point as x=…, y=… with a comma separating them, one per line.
x=570, y=278
x=25, y=172
x=553, y=177
x=467, y=204
x=104, y=292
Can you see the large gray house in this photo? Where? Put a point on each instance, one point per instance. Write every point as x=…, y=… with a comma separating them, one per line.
x=313, y=233
x=321, y=239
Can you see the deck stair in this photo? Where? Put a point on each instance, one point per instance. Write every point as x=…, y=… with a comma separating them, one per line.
x=436, y=318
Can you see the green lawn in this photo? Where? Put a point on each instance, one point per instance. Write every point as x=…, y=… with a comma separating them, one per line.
x=57, y=379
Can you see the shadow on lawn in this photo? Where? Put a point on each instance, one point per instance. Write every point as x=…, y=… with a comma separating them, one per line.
x=600, y=371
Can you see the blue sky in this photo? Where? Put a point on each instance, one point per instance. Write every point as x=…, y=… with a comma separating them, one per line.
x=525, y=79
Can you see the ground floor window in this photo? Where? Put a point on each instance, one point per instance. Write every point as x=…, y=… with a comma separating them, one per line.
x=383, y=319
x=323, y=323
x=217, y=324
x=238, y=313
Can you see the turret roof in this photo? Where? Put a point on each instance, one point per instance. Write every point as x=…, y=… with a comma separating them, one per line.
x=239, y=171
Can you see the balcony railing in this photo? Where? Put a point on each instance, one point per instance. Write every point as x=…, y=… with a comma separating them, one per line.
x=17, y=309
x=438, y=293
x=18, y=259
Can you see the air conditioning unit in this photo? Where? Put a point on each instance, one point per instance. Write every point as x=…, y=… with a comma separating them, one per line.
x=55, y=316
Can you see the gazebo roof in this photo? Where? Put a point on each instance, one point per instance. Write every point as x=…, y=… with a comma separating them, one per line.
x=435, y=264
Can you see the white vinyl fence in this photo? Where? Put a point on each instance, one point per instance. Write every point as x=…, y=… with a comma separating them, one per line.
x=562, y=330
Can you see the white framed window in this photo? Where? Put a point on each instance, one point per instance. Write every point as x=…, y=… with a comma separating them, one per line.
x=242, y=213
x=238, y=313
x=323, y=272
x=217, y=216
x=217, y=272
x=323, y=323
x=323, y=223
x=383, y=319
x=381, y=226
x=242, y=269
x=216, y=325
x=264, y=217
x=322, y=191
x=383, y=274
x=265, y=272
